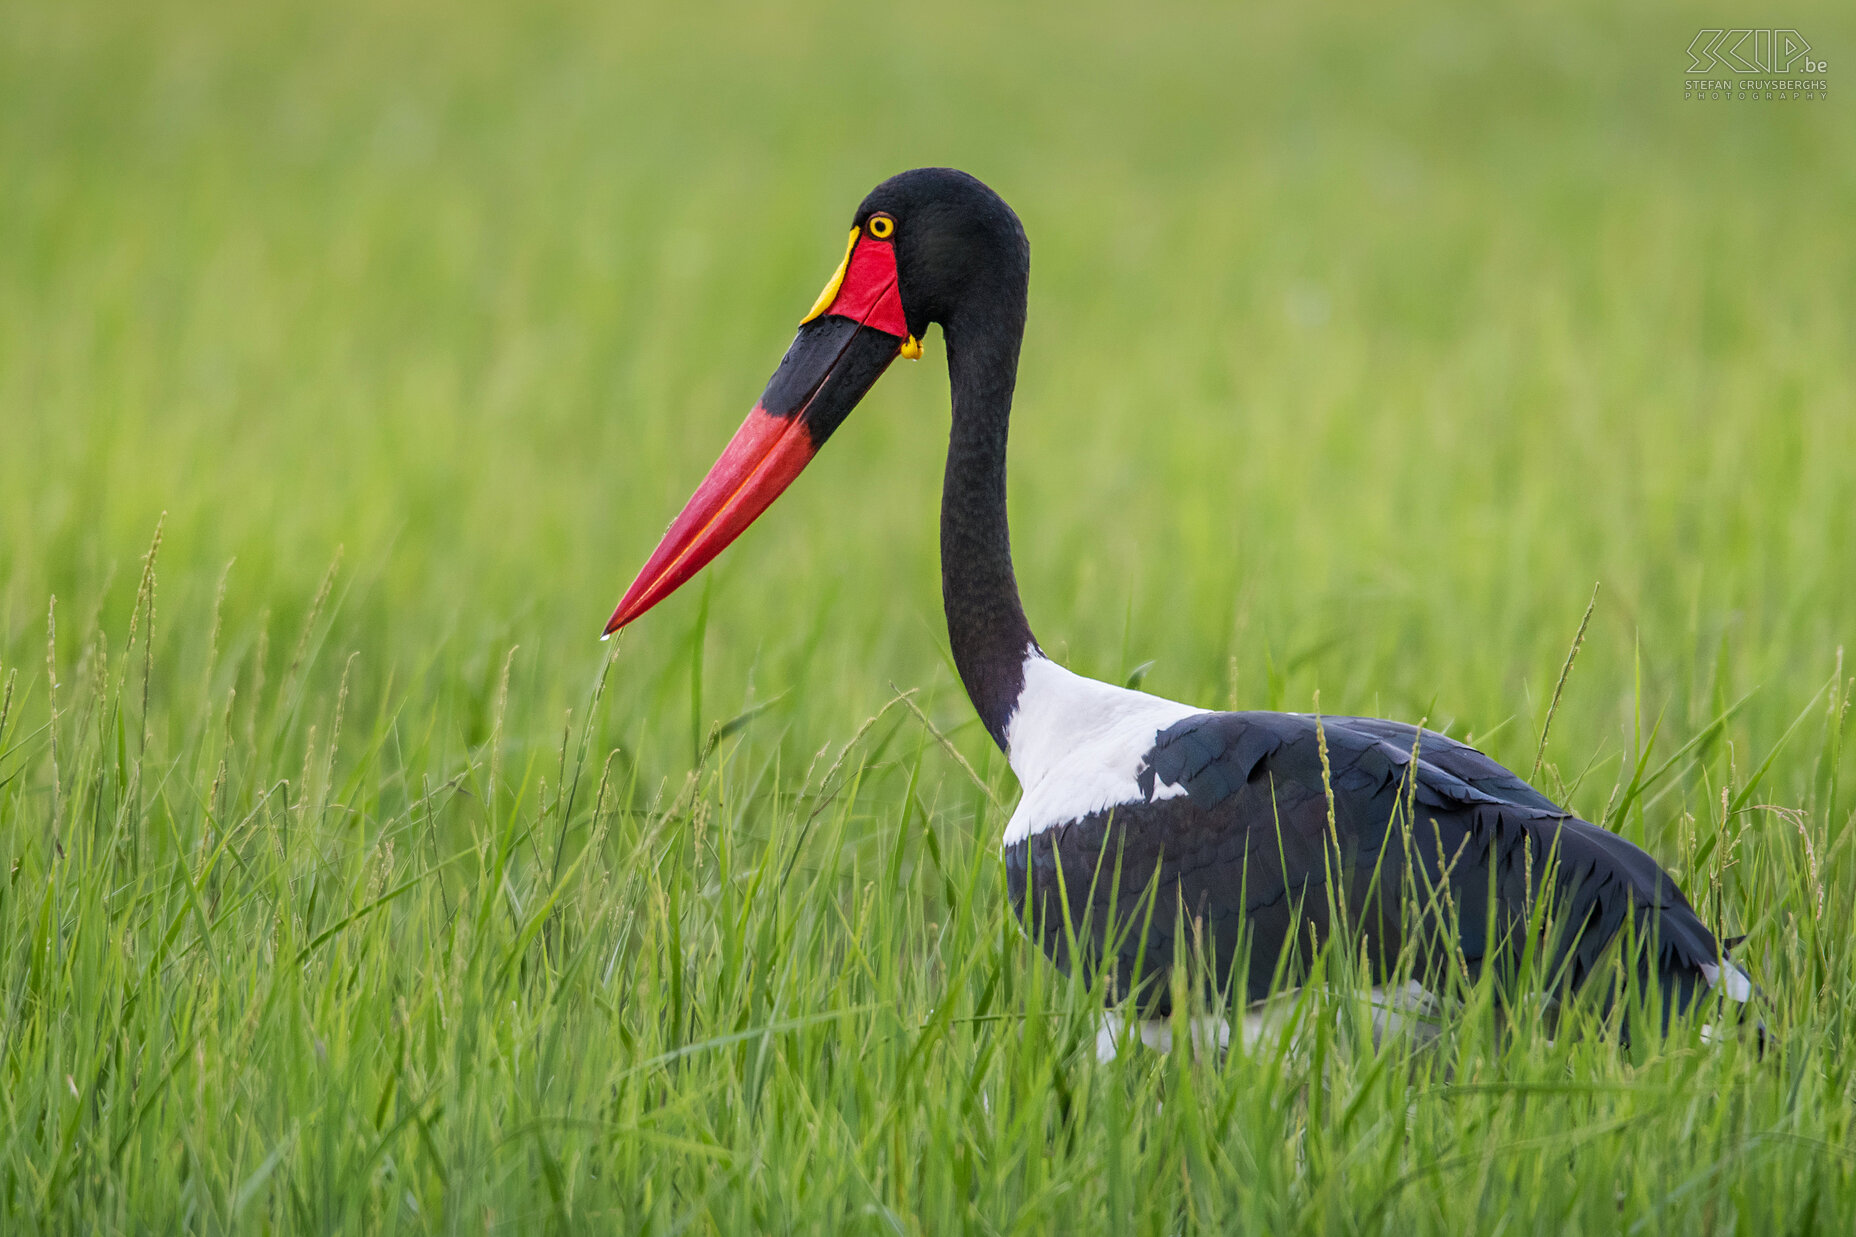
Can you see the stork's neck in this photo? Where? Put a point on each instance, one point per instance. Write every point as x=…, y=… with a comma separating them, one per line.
x=986, y=625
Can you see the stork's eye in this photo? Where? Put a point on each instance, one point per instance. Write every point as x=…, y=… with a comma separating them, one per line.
x=882, y=227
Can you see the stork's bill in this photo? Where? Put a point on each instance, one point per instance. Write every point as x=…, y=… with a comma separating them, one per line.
x=855, y=329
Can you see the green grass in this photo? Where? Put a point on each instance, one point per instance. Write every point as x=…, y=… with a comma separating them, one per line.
x=341, y=898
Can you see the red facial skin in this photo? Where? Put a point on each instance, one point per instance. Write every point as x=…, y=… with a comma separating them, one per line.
x=869, y=293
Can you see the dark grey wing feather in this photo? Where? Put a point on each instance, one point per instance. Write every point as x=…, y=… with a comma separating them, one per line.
x=1458, y=759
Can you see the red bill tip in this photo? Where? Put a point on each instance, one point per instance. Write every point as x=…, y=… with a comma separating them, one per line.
x=760, y=461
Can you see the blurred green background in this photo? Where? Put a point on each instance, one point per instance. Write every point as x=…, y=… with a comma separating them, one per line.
x=1361, y=345
x=1364, y=342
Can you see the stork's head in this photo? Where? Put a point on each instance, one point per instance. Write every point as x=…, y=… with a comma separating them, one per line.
x=931, y=245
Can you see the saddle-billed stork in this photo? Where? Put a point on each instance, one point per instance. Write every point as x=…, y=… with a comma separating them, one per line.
x=1249, y=831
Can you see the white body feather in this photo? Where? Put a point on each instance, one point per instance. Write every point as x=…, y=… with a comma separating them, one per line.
x=1077, y=744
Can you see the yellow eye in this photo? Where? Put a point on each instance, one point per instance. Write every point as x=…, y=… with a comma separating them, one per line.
x=882, y=227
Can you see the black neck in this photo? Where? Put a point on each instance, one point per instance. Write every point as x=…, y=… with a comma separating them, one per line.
x=986, y=625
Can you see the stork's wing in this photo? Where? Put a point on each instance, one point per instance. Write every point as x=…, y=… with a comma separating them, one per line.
x=1457, y=759
x=1235, y=819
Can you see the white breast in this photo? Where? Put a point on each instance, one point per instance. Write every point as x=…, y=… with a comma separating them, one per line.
x=1076, y=746
x=1731, y=980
